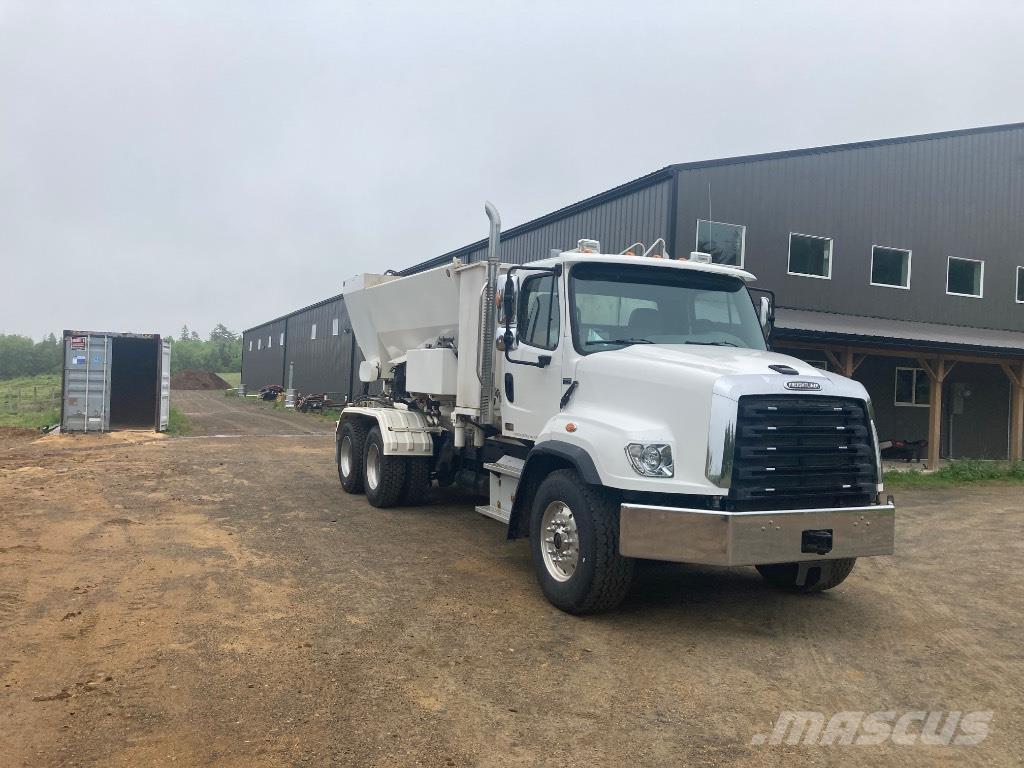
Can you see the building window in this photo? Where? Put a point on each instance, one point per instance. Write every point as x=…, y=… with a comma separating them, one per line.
x=250, y=345
x=1020, y=285
x=281, y=342
x=913, y=387
x=965, y=277
x=259, y=344
x=890, y=267
x=810, y=256
x=312, y=332
x=725, y=242
x=269, y=341
x=819, y=364
x=334, y=327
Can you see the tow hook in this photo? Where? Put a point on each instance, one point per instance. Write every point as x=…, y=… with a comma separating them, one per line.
x=816, y=541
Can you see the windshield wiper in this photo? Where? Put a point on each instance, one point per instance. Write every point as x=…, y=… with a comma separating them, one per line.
x=620, y=341
x=713, y=343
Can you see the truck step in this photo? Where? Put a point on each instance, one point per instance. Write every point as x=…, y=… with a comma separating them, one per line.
x=501, y=515
x=509, y=466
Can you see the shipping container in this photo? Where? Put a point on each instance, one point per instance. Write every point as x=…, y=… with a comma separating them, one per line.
x=115, y=381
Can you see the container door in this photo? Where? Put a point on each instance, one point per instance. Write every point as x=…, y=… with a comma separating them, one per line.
x=86, y=384
x=165, y=385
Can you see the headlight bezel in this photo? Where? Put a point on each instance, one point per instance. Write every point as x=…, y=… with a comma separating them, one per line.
x=639, y=457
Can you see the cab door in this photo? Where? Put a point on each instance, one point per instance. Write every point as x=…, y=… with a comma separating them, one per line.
x=532, y=381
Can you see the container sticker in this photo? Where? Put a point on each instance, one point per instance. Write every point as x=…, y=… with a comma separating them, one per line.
x=78, y=360
x=78, y=342
x=96, y=359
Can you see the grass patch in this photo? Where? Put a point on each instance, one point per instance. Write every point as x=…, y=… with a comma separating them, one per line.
x=234, y=378
x=31, y=419
x=177, y=422
x=42, y=381
x=959, y=473
x=31, y=402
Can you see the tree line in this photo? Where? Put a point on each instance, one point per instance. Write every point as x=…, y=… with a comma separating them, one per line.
x=220, y=351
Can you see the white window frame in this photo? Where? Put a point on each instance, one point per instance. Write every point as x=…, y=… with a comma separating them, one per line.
x=910, y=262
x=259, y=344
x=281, y=340
x=270, y=341
x=334, y=326
x=743, y=240
x=831, y=256
x=913, y=387
x=981, y=278
x=1016, y=292
x=250, y=345
x=312, y=332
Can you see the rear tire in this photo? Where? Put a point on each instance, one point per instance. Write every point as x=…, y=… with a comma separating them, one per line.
x=383, y=476
x=574, y=538
x=417, y=480
x=352, y=445
x=819, y=575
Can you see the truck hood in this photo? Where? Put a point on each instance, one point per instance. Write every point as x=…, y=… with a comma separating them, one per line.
x=663, y=364
x=649, y=393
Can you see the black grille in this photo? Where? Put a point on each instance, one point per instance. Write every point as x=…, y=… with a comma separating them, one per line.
x=802, y=451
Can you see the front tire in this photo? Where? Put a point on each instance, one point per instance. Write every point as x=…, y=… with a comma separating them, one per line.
x=574, y=538
x=383, y=476
x=351, y=446
x=817, y=575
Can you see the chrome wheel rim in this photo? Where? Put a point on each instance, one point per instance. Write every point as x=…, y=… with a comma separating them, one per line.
x=346, y=456
x=560, y=541
x=372, y=465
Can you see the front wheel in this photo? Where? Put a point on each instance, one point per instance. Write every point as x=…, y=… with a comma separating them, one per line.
x=807, y=577
x=574, y=537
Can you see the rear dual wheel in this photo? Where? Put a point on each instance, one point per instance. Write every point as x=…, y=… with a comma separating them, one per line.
x=351, y=447
x=393, y=480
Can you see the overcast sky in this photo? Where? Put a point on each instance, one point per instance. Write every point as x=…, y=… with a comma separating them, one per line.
x=200, y=162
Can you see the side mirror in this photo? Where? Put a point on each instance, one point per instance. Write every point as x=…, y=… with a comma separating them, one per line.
x=766, y=314
x=507, y=306
x=508, y=301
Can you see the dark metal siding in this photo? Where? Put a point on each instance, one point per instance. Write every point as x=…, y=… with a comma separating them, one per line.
x=321, y=364
x=958, y=195
x=262, y=366
x=639, y=210
x=641, y=215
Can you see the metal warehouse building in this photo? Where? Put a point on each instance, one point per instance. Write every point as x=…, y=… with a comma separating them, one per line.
x=897, y=262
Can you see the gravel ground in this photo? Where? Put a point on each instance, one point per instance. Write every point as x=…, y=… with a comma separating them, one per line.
x=217, y=600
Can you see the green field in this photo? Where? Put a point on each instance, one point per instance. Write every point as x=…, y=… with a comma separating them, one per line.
x=30, y=401
x=234, y=378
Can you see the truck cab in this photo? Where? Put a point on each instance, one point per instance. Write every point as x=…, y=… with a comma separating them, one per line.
x=631, y=408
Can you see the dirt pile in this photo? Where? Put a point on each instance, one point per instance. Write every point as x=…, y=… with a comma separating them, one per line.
x=192, y=379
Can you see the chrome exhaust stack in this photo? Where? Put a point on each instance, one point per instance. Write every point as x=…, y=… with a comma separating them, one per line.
x=489, y=317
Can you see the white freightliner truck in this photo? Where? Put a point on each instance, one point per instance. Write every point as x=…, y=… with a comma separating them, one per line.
x=614, y=407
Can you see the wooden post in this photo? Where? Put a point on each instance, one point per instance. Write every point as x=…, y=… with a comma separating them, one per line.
x=937, y=375
x=1016, y=377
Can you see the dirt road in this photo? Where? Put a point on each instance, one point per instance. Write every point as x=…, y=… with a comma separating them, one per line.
x=217, y=600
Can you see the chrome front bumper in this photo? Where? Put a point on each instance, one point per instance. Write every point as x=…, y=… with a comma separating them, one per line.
x=714, y=537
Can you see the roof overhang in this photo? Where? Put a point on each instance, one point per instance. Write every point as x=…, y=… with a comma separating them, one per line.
x=809, y=325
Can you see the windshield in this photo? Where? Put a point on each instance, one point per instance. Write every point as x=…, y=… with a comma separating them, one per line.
x=615, y=305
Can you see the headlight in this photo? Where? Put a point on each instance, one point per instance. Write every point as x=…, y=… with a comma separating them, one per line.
x=650, y=459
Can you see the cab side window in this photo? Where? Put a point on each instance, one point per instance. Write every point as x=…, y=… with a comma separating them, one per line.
x=538, y=312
